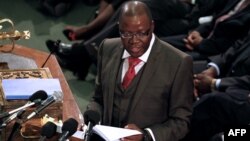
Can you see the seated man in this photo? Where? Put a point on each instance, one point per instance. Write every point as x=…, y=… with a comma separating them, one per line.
x=224, y=89
x=226, y=69
x=231, y=24
x=216, y=112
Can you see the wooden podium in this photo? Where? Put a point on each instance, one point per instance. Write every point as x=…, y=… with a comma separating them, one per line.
x=69, y=105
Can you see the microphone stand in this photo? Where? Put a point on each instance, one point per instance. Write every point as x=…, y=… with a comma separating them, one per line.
x=57, y=46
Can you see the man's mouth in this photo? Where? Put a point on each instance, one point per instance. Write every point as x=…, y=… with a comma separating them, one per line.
x=135, y=49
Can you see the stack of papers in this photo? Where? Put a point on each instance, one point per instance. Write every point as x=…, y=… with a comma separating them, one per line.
x=24, y=88
x=108, y=133
x=113, y=133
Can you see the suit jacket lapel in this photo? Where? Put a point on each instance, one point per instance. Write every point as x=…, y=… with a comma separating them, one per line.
x=114, y=68
x=148, y=71
x=243, y=12
x=231, y=5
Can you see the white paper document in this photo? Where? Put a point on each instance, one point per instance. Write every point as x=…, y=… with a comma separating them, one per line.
x=24, y=88
x=113, y=133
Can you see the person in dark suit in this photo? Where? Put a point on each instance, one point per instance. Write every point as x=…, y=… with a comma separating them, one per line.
x=159, y=98
x=225, y=86
x=226, y=69
x=219, y=111
x=231, y=24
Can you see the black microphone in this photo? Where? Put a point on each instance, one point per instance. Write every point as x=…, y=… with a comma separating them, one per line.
x=48, y=130
x=55, y=97
x=91, y=118
x=41, y=94
x=68, y=129
x=35, y=98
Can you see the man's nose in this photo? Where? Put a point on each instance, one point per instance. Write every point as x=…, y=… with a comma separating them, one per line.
x=134, y=39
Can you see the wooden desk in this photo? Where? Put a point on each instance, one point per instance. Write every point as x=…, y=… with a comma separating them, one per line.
x=70, y=107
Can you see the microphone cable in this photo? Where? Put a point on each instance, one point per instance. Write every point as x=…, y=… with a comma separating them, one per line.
x=57, y=44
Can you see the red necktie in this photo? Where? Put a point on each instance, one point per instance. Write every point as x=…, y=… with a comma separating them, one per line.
x=130, y=74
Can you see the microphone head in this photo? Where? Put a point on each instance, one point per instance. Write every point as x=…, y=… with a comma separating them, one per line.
x=48, y=130
x=58, y=96
x=70, y=126
x=42, y=95
x=91, y=116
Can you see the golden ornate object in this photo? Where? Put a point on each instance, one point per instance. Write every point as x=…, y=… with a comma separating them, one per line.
x=13, y=34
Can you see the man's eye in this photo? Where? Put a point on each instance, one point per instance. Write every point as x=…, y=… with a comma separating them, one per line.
x=141, y=34
x=127, y=34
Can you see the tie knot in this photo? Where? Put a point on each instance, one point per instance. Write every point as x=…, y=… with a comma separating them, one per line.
x=133, y=61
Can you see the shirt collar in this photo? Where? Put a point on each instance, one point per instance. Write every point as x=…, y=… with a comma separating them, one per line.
x=145, y=56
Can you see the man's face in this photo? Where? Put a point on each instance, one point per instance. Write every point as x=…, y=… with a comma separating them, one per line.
x=136, y=33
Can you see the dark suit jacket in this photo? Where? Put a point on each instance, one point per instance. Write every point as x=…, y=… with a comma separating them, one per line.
x=226, y=32
x=163, y=98
x=235, y=64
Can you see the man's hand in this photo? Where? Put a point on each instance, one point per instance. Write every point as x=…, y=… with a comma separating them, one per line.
x=202, y=83
x=193, y=40
x=134, y=137
x=75, y=33
x=211, y=71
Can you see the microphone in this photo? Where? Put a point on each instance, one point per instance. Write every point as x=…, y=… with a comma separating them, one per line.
x=91, y=118
x=33, y=99
x=13, y=116
x=55, y=97
x=36, y=97
x=68, y=129
x=48, y=130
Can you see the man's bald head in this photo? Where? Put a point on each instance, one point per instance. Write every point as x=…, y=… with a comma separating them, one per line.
x=136, y=28
x=134, y=9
